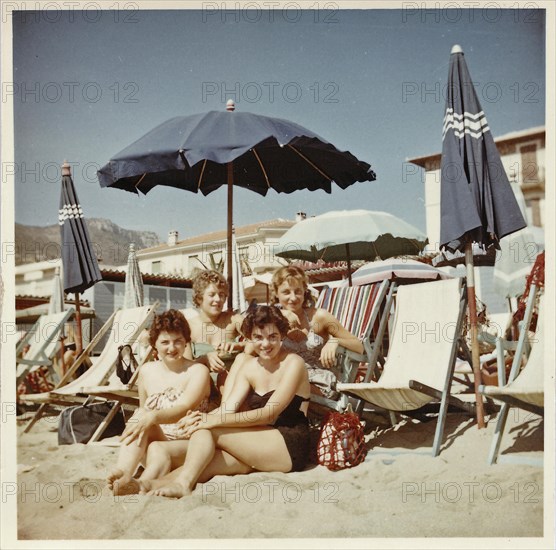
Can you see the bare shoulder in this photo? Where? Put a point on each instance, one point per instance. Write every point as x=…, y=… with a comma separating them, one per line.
x=196, y=369
x=294, y=361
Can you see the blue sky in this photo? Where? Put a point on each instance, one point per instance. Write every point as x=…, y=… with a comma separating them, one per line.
x=87, y=84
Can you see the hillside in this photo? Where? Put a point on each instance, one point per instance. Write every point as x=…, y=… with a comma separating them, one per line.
x=111, y=242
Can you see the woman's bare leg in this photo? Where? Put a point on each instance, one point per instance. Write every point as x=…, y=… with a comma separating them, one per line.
x=164, y=456
x=129, y=459
x=200, y=453
x=261, y=449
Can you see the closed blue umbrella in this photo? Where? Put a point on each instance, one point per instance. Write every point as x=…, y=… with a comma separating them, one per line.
x=206, y=151
x=476, y=203
x=81, y=269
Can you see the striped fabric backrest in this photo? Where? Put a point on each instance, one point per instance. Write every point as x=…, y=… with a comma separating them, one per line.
x=353, y=306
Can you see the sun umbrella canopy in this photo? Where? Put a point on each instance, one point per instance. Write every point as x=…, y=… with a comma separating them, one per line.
x=133, y=294
x=477, y=202
x=369, y=234
x=191, y=152
x=205, y=151
x=403, y=271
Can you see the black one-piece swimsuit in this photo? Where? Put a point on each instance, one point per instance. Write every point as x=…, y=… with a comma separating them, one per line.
x=291, y=423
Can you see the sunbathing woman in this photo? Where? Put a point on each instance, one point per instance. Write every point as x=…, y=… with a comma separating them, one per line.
x=168, y=389
x=213, y=331
x=225, y=442
x=314, y=334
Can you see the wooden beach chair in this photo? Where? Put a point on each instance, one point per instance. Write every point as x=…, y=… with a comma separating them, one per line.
x=124, y=327
x=358, y=310
x=44, y=342
x=421, y=358
x=525, y=386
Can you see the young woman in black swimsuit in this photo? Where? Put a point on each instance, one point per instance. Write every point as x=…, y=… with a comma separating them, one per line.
x=273, y=436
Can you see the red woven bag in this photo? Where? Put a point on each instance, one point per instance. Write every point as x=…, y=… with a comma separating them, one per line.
x=342, y=441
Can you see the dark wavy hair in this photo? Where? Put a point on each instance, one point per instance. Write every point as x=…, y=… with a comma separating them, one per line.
x=264, y=315
x=169, y=321
x=290, y=273
x=205, y=279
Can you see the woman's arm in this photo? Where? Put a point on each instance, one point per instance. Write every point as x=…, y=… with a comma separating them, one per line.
x=266, y=415
x=336, y=335
x=197, y=389
x=141, y=386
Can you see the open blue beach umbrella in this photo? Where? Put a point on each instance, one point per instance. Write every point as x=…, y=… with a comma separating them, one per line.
x=200, y=153
x=477, y=203
x=81, y=269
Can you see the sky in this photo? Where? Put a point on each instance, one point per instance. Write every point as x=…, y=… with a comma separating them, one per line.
x=88, y=83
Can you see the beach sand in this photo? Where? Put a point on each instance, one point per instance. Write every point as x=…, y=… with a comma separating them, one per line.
x=62, y=494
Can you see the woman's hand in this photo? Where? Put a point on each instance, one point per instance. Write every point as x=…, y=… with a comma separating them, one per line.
x=214, y=362
x=328, y=353
x=137, y=426
x=193, y=421
x=229, y=347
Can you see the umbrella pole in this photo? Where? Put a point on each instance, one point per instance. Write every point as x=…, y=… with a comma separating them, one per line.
x=230, y=177
x=78, y=333
x=475, y=356
x=349, y=264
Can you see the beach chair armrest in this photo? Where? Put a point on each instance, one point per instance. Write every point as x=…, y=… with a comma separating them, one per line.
x=35, y=362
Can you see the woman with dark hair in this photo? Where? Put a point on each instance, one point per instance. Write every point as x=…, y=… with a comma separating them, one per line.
x=228, y=442
x=168, y=388
x=314, y=333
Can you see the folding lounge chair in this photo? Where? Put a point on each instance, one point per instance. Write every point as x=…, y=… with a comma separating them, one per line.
x=358, y=309
x=525, y=388
x=124, y=326
x=421, y=358
x=44, y=342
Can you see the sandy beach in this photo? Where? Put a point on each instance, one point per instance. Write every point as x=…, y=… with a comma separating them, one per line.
x=62, y=494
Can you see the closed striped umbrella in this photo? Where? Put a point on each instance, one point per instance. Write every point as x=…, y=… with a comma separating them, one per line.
x=133, y=296
x=477, y=203
x=81, y=269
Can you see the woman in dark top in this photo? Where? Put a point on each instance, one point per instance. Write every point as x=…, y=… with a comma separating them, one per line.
x=275, y=438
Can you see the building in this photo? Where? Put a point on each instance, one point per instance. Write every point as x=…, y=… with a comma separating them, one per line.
x=185, y=257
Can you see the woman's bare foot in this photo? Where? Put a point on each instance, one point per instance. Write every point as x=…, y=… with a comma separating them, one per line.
x=121, y=484
x=171, y=491
x=113, y=477
x=164, y=488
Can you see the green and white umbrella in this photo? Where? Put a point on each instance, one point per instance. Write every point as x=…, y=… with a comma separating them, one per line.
x=346, y=235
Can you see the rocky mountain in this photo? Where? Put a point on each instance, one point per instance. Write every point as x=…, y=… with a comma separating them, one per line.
x=110, y=242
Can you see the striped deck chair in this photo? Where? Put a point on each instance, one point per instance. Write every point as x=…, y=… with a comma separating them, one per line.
x=124, y=327
x=525, y=387
x=358, y=310
x=44, y=342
